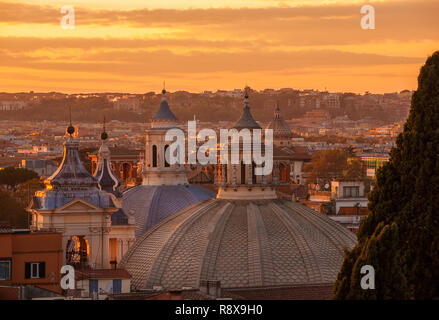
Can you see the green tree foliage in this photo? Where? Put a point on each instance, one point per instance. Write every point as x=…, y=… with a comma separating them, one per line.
x=400, y=237
x=325, y=166
x=12, y=177
x=333, y=164
x=26, y=190
x=12, y=211
x=355, y=170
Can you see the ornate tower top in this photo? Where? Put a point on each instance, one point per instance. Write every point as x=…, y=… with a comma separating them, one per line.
x=107, y=180
x=281, y=129
x=70, y=181
x=164, y=114
x=277, y=111
x=156, y=169
x=71, y=172
x=246, y=121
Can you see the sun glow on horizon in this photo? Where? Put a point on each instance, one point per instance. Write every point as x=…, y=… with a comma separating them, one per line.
x=211, y=45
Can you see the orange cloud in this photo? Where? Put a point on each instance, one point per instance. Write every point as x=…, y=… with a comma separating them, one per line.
x=202, y=48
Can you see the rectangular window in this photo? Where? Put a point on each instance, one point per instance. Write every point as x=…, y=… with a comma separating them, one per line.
x=35, y=270
x=117, y=286
x=351, y=192
x=93, y=285
x=5, y=270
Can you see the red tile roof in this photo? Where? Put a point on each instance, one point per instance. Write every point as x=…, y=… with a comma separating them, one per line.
x=352, y=211
x=102, y=274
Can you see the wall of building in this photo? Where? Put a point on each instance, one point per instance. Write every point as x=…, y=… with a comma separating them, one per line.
x=34, y=247
x=103, y=284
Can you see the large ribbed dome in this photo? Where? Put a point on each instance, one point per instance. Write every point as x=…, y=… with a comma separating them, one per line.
x=151, y=204
x=242, y=244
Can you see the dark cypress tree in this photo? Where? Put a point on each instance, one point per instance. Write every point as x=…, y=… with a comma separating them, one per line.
x=400, y=237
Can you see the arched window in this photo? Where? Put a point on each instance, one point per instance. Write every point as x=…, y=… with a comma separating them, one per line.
x=253, y=173
x=167, y=155
x=243, y=173
x=154, y=156
x=77, y=251
x=225, y=173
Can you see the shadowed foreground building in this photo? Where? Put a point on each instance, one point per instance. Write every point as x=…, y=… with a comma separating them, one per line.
x=247, y=241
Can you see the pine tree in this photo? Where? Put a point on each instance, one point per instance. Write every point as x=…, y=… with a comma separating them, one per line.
x=400, y=237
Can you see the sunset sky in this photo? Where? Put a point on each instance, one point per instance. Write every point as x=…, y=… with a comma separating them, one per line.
x=197, y=45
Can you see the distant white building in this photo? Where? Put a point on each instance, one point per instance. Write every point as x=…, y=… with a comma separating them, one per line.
x=44, y=167
x=127, y=103
x=332, y=101
x=350, y=202
x=12, y=105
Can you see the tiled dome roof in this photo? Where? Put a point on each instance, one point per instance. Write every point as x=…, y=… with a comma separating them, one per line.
x=241, y=244
x=280, y=128
x=151, y=204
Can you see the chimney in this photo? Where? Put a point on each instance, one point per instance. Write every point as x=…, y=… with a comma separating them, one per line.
x=211, y=288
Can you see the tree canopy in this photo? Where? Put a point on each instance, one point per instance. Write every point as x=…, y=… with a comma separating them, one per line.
x=12, y=211
x=12, y=177
x=400, y=237
x=333, y=164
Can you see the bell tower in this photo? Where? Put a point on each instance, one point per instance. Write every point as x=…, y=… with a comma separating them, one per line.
x=239, y=181
x=156, y=170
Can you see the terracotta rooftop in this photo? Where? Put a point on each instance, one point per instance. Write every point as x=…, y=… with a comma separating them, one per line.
x=352, y=211
x=102, y=274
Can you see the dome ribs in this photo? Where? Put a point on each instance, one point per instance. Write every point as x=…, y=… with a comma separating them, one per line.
x=324, y=225
x=216, y=230
x=311, y=266
x=242, y=244
x=140, y=257
x=165, y=256
x=327, y=242
x=259, y=254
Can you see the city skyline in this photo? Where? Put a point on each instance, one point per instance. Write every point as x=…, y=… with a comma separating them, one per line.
x=211, y=45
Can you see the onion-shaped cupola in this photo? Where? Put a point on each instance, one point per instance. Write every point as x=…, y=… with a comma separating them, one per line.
x=107, y=180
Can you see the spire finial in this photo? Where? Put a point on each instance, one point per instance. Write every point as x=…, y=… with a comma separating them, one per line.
x=104, y=134
x=246, y=97
x=70, y=128
x=277, y=110
x=164, y=87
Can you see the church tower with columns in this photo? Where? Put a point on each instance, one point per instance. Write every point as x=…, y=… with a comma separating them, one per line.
x=239, y=181
x=156, y=170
